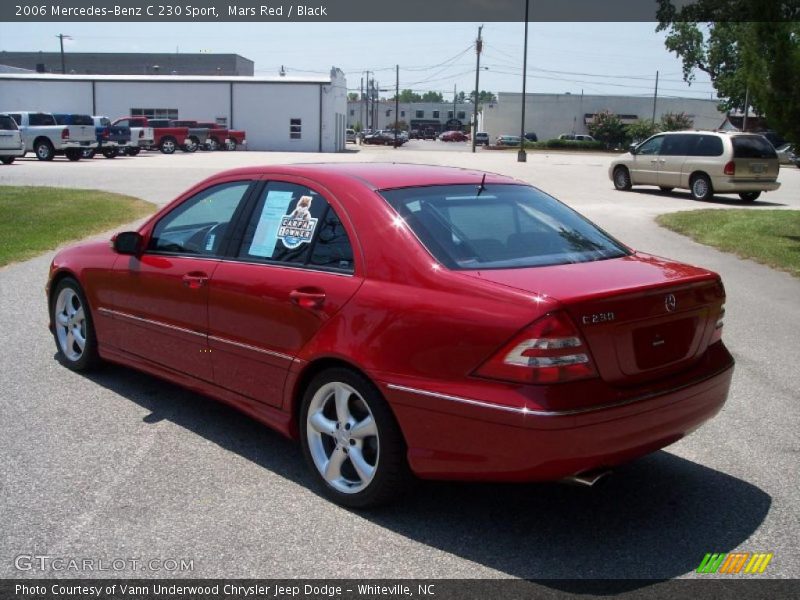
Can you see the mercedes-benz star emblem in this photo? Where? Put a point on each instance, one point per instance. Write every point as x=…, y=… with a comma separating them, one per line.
x=670, y=303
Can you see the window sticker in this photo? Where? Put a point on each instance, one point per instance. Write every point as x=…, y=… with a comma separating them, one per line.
x=266, y=236
x=298, y=227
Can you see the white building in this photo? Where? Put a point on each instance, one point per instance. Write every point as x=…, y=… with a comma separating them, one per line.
x=302, y=114
x=550, y=115
x=416, y=115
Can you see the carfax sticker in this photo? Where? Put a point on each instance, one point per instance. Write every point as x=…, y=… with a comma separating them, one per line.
x=298, y=227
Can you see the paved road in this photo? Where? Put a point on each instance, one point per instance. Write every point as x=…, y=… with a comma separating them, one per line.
x=120, y=465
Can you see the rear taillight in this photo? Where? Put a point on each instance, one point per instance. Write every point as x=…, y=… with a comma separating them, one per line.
x=730, y=168
x=65, y=134
x=717, y=335
x=550, y=350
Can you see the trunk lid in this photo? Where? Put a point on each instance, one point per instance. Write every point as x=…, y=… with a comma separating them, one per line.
x=643, y=317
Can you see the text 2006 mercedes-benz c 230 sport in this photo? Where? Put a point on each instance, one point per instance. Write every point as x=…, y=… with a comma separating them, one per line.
x=404, y=320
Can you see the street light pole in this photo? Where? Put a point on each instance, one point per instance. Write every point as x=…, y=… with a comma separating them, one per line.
x=61, y=37
x=396, y=102
x=521, y=155
x=478, y=49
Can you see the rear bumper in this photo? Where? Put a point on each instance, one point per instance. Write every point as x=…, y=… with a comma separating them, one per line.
x=725, y=185
x=465, y=437
x=77, y=145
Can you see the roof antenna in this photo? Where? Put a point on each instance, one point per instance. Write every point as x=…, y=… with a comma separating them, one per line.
x=482, y=186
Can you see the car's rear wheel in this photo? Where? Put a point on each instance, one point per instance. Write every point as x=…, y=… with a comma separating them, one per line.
x=749, y=196
x=622, y=179
x=133, y=151
x=666, y=189
x=351, y=440
x=701, y=187
x=230, y=145
x=73, y=328
x=190, y=145
x=73, y=154
x=213, y=144
x=44, y=150
x=111, y=152
x=88, y=153
x=168, y=145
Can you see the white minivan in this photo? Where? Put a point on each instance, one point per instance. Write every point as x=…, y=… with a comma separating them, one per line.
x=11, y=144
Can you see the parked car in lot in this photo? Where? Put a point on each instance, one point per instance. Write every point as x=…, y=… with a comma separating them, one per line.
x=350, y=136
x=704, y=162
x=531, y=137
x=142, y=136
x=385, y=325
x=577, y=137
x=429, y=134
x=166, y=139
x=384, y=138
x=482, y=138
x=195, y=138
x=11, y=144
x=111, y=139
x=507, y=140
x=222, y=138
x=46, y=138
x=454, y=136
x=785, y=153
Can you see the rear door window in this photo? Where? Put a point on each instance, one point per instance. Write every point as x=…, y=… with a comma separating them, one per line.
x=7, y=123
x=41, y=119
x=705, y=145
x=752, y=146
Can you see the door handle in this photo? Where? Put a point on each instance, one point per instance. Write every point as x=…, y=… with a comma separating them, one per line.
x=194, y=280
x=312, y=298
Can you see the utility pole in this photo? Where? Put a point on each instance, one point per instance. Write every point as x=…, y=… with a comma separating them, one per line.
x=396, y=101
x=454, y=101
x=61, y=37
x=655, y=97
x=478, y=50
x=521, y=155
x=746, y=107
x=361, y=106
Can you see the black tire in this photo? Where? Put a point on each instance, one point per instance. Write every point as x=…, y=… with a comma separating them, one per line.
x=44, y=150
x=7, y=160
x=749, y=196
x=73, y=154
x=666, y=189
x=88, y=153
x=230, y=145
x=701, y=188
x=190, y=145
x=622, y=179
x=213, y=144
x=384, y=452
x=87, y=358
x=133, y=151
x=168, y=145
x=111, y=152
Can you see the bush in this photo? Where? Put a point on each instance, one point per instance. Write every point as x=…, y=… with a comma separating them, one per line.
x=607, y=128
x=641, y=130
x=675, y=122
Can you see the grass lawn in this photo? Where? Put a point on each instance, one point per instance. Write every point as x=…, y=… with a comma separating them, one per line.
x=771, y=237
x=36, y=219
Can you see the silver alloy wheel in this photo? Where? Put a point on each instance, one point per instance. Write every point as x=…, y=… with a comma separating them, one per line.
x=70, y=323
x=168, y=146
x=190, y=145
x=342, y=437
x=43, y=151
x=700, y=187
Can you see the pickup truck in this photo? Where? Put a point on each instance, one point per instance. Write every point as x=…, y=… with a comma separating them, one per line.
x=222, y=138
x=195, y=139
x=44, y=136
x=11, y=144
x=109, y=137
x=141, y=137
x=166, y=139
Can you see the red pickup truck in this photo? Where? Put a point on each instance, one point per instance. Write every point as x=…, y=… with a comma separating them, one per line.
x=221, y=138
x=166, y=139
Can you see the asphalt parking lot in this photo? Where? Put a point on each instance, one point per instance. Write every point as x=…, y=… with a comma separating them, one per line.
x=119, y=464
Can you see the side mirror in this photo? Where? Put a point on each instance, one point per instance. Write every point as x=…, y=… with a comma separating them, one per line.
x=632, y=148
x=127, y=242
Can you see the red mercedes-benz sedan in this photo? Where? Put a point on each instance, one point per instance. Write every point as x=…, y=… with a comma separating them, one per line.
x=404, y=320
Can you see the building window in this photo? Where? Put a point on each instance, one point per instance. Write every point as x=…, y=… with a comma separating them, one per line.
x=352, y=112
x=388, y=112
x=402, y=113
x=420, y=114
x=295, y=129
x=155, y=113
x=449, y=114
x=436, y=114
x=462, y=115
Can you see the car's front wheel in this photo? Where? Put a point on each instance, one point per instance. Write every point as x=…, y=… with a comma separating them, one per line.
x=73, y=328
x=351, y=440
x=622, y=179
x=168, y=145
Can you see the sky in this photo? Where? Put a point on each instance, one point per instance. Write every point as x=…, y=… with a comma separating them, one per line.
x=596, y=58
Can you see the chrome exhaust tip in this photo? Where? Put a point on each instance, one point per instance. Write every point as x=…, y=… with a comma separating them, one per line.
x=587, y=479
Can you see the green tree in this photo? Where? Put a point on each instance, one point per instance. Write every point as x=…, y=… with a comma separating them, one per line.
x=607, y=128
x=484, y=97
x=759, y=52
x=640, y=130
x=352, y=97
x=461, y=97
x=409, y=96
x=432, y=97
x=675, y=121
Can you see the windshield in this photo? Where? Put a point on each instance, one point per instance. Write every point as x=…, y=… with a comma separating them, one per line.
x=752, y=146
x=502, y=226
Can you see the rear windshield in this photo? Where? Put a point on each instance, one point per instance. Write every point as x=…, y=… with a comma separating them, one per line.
x=752, y=146
x=7, y=123
x=503, y=226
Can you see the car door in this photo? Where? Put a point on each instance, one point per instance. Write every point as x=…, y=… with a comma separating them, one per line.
x=644, y=165
x=161, y=296
x=9, y=134
x=672, y=156
x=291, y=272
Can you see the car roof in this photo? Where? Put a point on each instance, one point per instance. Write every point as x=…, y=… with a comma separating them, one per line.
x=378, y=176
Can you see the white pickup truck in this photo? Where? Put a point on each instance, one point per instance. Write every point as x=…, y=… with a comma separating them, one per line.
x=11, y=145
x=46, y=138
x=141, y=137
